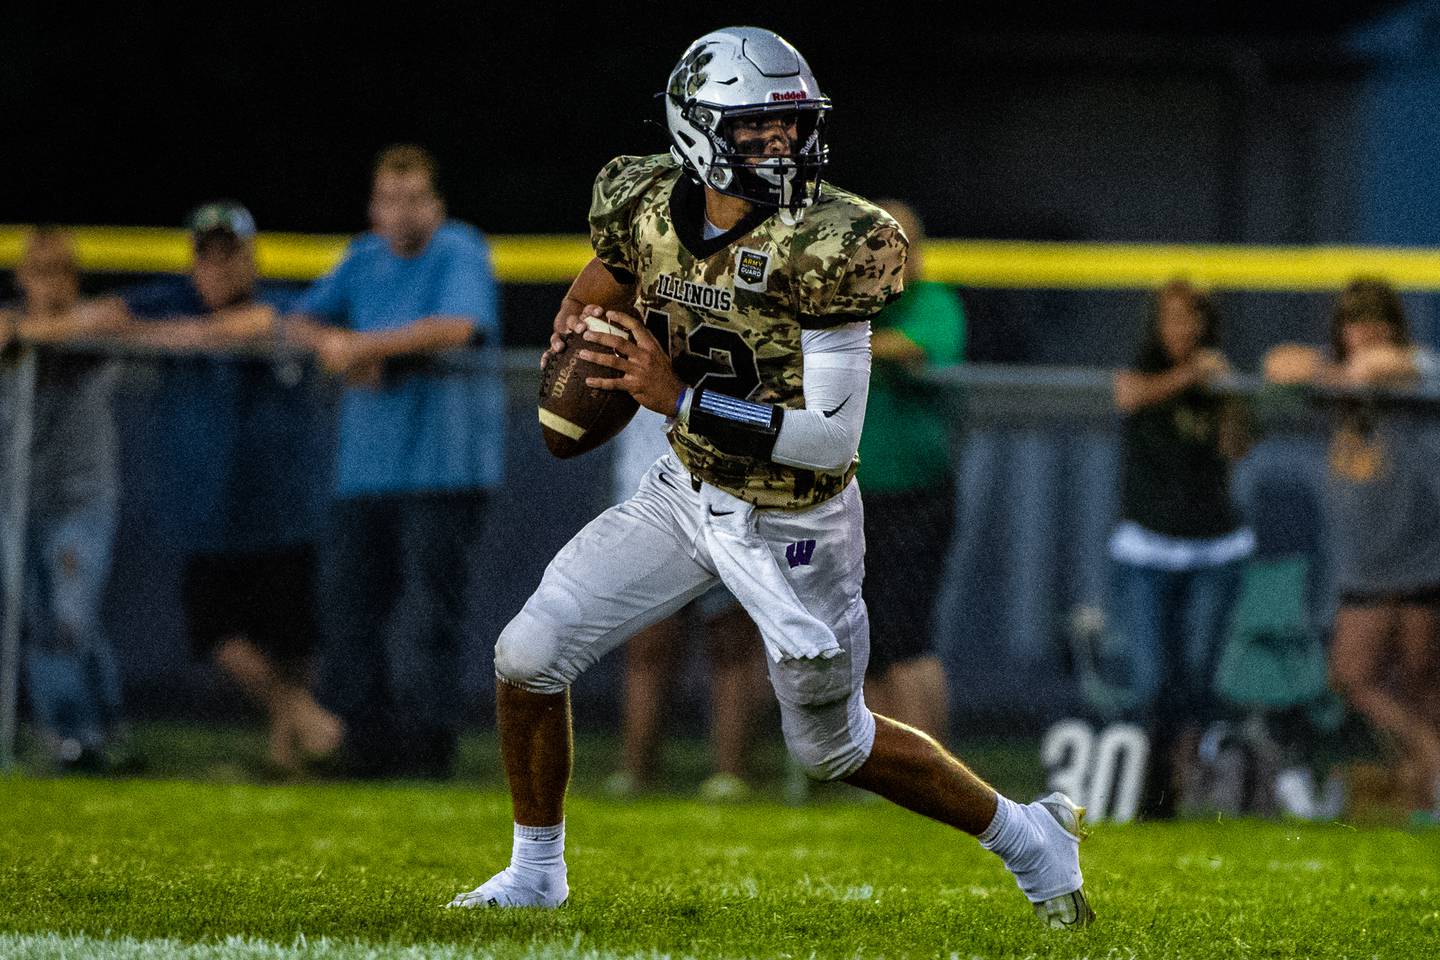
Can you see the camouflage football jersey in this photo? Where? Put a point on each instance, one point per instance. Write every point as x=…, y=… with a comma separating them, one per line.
x=731, y=308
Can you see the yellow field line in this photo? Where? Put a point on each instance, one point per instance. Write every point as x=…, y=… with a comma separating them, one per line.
x=977, y=263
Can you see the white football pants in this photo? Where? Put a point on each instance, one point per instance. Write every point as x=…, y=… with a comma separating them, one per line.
x=797, y=573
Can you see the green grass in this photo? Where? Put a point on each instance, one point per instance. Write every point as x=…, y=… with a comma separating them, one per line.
x=161, y=869
x=234, y=755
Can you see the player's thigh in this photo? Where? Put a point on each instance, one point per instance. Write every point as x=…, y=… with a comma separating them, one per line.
x=627, y=569
x=821, y=551
x=828, y=727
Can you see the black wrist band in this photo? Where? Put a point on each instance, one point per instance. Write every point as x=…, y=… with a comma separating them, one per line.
x=737, y=427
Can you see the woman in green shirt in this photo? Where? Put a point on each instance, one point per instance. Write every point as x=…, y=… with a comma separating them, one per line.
x=905, y=476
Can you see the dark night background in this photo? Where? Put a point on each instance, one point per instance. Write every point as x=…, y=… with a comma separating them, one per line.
x=129, y=115
x=1276, y=123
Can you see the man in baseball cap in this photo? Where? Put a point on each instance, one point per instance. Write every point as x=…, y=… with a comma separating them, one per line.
x=223, y=235
x=223, y=218
x=224, y=276
x=240, y=443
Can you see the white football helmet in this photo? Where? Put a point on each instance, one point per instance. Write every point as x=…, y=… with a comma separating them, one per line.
x=745, y=72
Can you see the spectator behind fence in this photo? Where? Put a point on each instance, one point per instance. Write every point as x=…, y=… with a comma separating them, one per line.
x=1180, y=547
x=71, y=679
x=244, y=446
x=905, y=473
x=1384, y=520
x=654, y=657
x=418, y=449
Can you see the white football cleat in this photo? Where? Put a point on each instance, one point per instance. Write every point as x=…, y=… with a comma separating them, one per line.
x=1054, y=884
x=505, y=889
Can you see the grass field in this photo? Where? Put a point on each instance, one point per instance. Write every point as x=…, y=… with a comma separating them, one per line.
x=168, y=869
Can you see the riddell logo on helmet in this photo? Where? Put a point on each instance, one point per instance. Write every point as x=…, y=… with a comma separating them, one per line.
x=788, y=95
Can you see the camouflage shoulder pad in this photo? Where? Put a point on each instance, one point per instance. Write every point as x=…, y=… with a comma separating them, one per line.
x=619, y=187
x=858, y=252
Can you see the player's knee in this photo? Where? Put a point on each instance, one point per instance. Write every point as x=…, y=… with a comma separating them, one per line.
x=826, y=762
x=830, y=751
x=527, y=655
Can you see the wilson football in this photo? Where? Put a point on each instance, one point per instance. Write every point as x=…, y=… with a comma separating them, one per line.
x=574, y=417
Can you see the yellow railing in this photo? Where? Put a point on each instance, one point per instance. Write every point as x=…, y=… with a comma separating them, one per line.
x=1138, y=266
x=976, y=263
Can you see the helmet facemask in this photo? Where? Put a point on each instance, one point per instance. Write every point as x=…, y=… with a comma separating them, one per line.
x=729, y=85
x=788, y=178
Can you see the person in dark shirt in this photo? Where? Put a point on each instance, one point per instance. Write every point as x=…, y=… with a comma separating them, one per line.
x=242, y=445
x=71, y=676
x=1383, y=513
x=1180, y=546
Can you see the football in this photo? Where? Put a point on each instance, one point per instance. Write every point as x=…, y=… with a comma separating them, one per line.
x=574, y=417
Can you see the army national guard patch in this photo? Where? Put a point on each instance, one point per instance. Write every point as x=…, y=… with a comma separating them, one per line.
x=750, y=268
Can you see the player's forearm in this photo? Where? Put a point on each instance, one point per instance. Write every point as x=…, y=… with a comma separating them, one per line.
x=823, y=436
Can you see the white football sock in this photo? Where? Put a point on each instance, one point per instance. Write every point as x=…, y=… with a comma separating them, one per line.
x=538, y=853
x=1010, y=834
x=535, y=877
x=1034, y=847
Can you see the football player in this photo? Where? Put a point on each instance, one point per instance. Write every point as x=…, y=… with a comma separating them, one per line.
x=736, y=287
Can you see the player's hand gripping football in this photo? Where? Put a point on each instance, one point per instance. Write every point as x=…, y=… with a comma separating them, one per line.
x=571, y=318
x=644, y=365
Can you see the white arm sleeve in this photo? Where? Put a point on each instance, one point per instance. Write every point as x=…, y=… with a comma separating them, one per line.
x=826, y=434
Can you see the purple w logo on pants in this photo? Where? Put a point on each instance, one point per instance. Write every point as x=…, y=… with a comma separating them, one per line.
x=799, y=554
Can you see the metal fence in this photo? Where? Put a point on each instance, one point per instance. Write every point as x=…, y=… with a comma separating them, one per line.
x=1036, y=481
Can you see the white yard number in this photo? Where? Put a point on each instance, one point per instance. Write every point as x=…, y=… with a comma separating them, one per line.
x=1102, y=772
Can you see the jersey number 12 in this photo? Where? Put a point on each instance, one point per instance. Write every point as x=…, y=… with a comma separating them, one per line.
x=713, y=357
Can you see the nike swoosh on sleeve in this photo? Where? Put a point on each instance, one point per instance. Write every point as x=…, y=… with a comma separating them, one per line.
x=831, y=413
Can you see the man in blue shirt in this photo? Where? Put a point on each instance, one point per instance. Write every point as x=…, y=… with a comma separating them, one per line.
x=420, y=443
x=246, y=446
